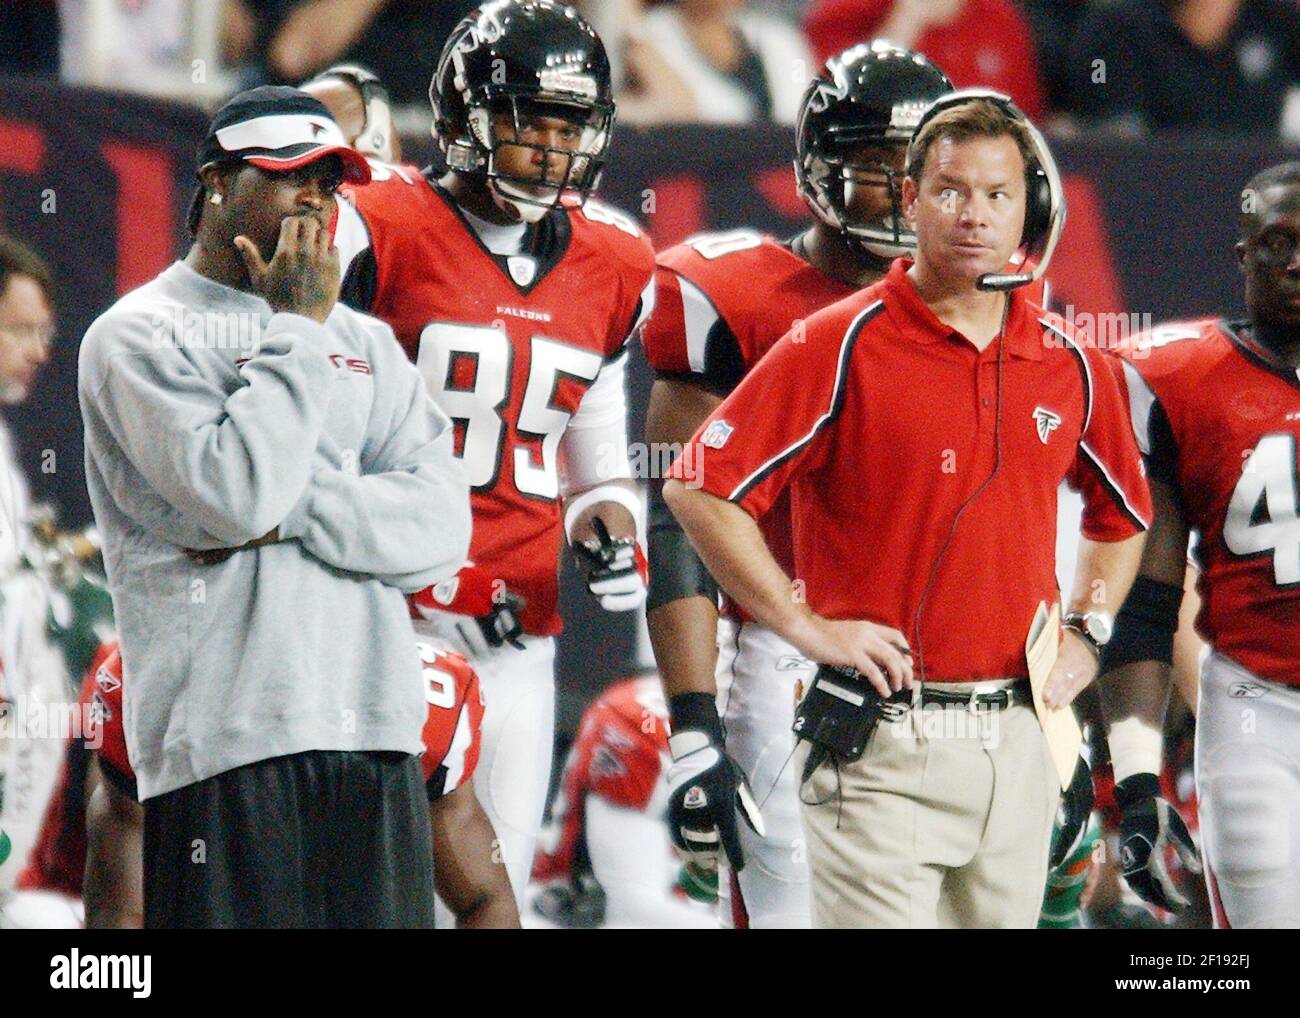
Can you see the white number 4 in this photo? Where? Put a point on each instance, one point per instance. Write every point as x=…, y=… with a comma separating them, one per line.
x=1270, y=474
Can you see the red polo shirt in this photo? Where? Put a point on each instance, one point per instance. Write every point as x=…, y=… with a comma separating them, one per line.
x=885, y=424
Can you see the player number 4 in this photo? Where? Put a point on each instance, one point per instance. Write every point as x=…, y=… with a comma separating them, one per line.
x=1270, y=475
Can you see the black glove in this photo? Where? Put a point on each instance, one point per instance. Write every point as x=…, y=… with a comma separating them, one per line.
x=1148, y=825
x=613, y=568
x=706, y=788
x=1072, y=815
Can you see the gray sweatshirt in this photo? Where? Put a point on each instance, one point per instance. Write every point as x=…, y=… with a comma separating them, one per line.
x=210, y=420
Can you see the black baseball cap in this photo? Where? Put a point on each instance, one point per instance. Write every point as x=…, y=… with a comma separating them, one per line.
x=278, y=128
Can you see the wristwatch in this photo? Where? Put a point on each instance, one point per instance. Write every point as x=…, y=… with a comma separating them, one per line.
x=1094, y=627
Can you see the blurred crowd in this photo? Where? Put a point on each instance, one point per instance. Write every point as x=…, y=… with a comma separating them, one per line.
x=1130, y=66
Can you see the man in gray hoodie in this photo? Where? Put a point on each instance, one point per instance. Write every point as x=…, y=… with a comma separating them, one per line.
x=270, y=478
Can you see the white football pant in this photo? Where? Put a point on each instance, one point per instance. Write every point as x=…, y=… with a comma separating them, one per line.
x=759, y=680
x=1248, y=793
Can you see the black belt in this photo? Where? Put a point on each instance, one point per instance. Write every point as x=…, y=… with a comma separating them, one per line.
x=1010, y=696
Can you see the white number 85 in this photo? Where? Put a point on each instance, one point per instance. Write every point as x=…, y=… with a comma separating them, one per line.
x=479, y=407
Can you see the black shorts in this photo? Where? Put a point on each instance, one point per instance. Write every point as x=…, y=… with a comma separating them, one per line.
x=319, y=840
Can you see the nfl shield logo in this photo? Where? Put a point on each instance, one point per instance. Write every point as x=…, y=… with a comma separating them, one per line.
x=522, y=269
x=716, y=434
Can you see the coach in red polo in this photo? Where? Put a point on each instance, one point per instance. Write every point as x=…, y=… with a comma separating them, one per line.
x=923, y=427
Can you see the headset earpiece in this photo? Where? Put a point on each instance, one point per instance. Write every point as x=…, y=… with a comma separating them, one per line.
x=1038, y=205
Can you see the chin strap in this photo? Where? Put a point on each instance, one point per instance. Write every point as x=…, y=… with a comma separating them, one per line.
x=527, y=211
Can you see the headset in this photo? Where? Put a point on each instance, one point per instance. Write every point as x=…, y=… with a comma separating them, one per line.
x=1044, y=192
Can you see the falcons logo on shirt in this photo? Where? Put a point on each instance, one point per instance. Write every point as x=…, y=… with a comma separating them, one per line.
x=1046, y=421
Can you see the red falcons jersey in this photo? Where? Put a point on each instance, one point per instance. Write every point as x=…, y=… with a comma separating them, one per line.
x=619, y=755
x=101, y=700
x=722, y=300
x=507, y=347
x=452, y=730
x=1220, y=424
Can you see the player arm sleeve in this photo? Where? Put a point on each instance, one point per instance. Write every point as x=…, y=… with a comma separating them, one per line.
x=593, y=448
x=1151, y=427
x=686, y=338
x=1108, y=470
x=405, y=519
x=357, y=265
x=676, y=571
x=744, y=452
x=236, y=463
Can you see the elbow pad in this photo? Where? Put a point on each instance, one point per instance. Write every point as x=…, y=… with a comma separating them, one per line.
x=676, y=572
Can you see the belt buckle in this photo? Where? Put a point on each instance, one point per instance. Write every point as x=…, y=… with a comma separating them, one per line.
x=973, y=705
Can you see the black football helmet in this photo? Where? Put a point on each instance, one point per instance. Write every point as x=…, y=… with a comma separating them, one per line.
x=874, y=93
x=523, y=57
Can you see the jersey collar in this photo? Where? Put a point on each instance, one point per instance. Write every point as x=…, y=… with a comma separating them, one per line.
x=1238, y=332
x=914, y=319
x=547, y=241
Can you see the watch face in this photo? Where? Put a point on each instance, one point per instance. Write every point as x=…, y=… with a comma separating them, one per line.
x=1099, y=626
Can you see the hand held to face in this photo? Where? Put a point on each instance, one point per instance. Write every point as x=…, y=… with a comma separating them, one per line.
x=303, y=276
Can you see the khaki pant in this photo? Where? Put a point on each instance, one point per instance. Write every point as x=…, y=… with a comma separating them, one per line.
x=945, y=821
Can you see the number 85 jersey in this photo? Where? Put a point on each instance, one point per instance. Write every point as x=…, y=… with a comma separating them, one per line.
x=1219, y=423
x=525, y=353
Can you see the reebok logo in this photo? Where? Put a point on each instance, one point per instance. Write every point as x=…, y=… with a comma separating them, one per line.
x=76, y=971
x=361, y=367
